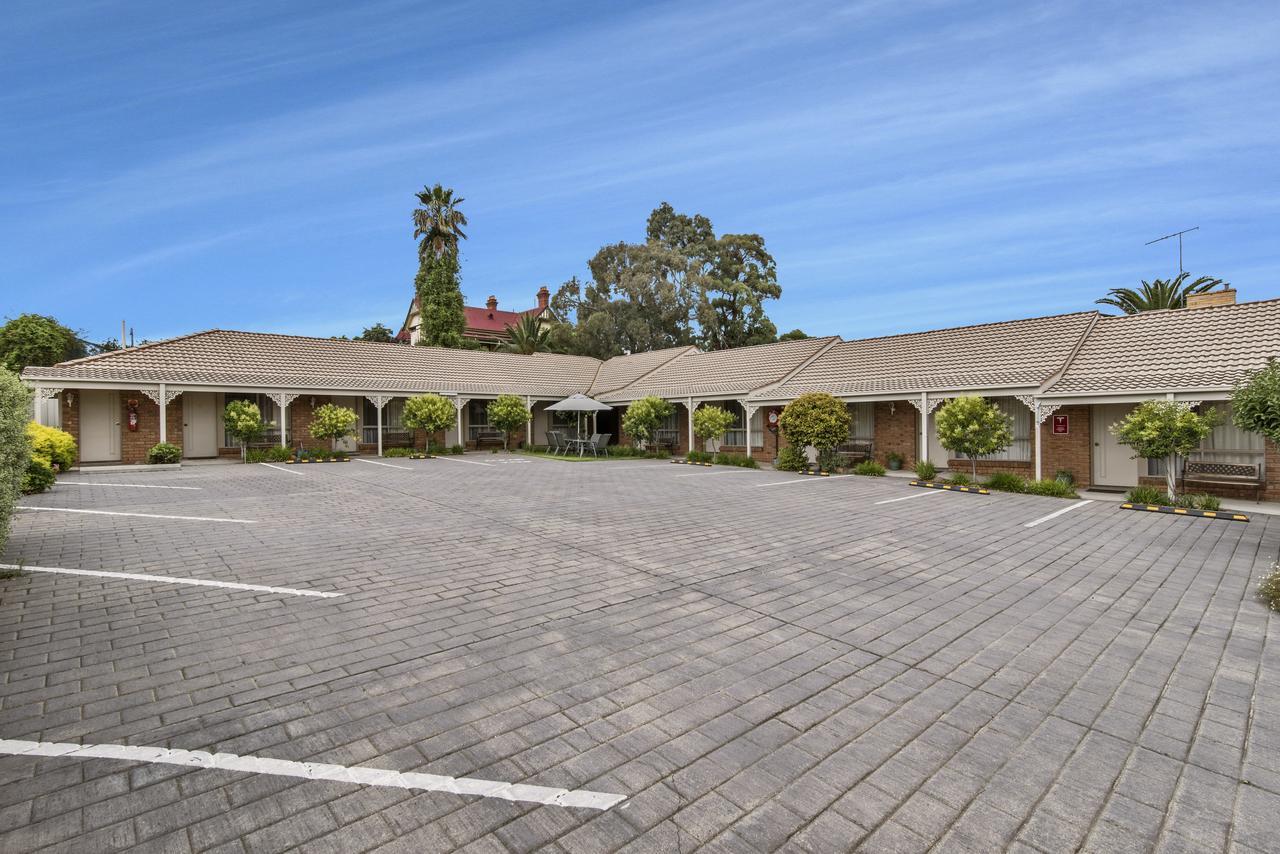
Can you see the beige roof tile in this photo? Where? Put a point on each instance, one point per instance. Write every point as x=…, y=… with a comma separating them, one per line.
x=624, y=370
x=221, y=357
x=722, y=372
x=1012, y=353
x=1197, y=349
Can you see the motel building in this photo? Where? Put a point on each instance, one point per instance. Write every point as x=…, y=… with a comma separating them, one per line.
x=1063, y=380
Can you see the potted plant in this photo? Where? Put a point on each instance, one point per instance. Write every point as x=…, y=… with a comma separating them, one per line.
x=894, y=460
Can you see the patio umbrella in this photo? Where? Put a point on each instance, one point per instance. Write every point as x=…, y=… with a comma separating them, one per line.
x=579, y=403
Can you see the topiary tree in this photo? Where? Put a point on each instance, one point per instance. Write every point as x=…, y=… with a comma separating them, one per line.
x=643, y=417
x=333, y=422
x=56, y=447
x=508, y=413
x=972, y=427
x=243, y=421
x=1255, y=403
x=429, y=412
x=816, y=419
x=1165, y=429
x=15, y=452
x=710, y=423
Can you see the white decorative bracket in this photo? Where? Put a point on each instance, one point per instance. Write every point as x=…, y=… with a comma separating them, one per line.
x=170, y=395
x=282, y=399
x=934, y=403
x=1039, y=411
x=153, y=393
x=751, y=409
x=459, y=403
x=48, y=392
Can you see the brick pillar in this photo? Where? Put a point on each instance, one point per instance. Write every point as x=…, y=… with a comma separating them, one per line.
x=1271, y=463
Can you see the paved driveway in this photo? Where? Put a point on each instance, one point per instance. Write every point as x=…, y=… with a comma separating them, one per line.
x=748, y=660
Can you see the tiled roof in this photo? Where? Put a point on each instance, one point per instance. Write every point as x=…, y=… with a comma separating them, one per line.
x=993, y=355
x=1192, y=349
x=481, y=319
x=621, y=371
x=221, y=357
x=735, y=371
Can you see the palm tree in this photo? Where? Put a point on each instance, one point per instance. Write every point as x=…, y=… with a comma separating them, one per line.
x=528, y=336
x=438, y=222
x=1162, y=293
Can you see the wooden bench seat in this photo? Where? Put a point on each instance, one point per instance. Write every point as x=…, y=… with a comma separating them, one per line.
x=1223, y=474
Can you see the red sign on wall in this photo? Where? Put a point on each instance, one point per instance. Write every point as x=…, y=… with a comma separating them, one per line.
x=1061, y=426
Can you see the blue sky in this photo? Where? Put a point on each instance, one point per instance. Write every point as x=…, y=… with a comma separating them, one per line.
x=911, y=165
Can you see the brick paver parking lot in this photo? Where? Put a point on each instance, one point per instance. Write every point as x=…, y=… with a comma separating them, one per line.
x=754, y=663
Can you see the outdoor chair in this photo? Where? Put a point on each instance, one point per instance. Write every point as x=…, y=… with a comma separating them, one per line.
x=553, y=442
x=599, y=442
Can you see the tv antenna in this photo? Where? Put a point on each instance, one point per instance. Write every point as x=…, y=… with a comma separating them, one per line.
x=1177, y=234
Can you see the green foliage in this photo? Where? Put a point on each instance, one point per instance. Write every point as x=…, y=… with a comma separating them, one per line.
x=457, y=450
x=429, y=412
x=643, y=417
x=1255, y=402
x=15, y=452
x=1152, y=495
x=1050, y=488
x=56, y=447
x=441, y=317
x=1269, y=588
x=331, y=421
x=164, y=454
x=816, y=419
x=438, y=222
x=792, y=458
x=827, y=459
x=794, y=335
x=528, y=335
x=1065, y=476
x=1146, y=495
x=971, y=427
x=243, y=421
x=710, y=422
x=700, y=456
x=275, y=455
x=740, y=460
x=1208, y=502
x=34, y=339
x=1006, y=482
x=398, y=452
x=926, y=470
x=869, y=468
x=1160, y=294
x=1165, y=429
x=38, y=477
x=508, y=413
x=377, y=333
x=959, y=479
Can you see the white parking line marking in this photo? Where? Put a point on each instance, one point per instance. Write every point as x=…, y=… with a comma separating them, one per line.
x=924, y=494
x=1057, y=513
x=388, y=465
x=318, y=771
x=709, y=473
x=130, y=485
x=282, y=468
x=169, y=579
x=140, y=515
x=468, y=462
x=802, y=480
x=646, y=466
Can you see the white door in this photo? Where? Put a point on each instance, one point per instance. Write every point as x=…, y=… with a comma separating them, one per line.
x=199, y=424
x=99, y=426
x=349, y=444
x=1113, y=463
x=938, y=455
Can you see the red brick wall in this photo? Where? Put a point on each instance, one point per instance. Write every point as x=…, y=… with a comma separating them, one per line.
x=1272, y=464
x=71, y=417
x=134, y=444
x=301, y=414
x=1072, y=452
x=897, y=425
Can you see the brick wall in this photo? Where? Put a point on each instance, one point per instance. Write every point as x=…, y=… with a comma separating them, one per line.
x=1072, y=452
x=897, y=425
x=1272, y=464
x=301, y=414
x=71, y=417
x=134, y=444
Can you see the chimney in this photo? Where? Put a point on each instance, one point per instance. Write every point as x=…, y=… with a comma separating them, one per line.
x=492, y=303
x=1226, y=296
x=544, y=296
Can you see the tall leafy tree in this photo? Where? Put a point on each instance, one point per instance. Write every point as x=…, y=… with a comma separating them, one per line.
x=35, y=339
x=437, y=226
x=377, y=333
x=642, y=293
x=738, y=276
x=527, y=335
x=1160, y=294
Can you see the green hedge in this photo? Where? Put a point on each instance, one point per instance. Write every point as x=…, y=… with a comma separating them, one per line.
x=740, y=460
x=15, y=400
x=164, y=454
x=869, y=468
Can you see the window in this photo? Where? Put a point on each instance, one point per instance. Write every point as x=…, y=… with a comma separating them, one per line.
x=1226, y=444
x=270, y=417
x=1019, y=449
x=862, y=422
x=392, y=421
x=736, y=436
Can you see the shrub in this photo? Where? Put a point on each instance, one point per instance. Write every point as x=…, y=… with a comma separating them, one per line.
x=243, y=421
x=1064, y=476
x=1146, y=495
x=1208, y=502
x=1051, y=488
x=710, y=424
x=429, y=412
x=1255, y=402
x=1269, y=589
x=15, y=452
x=740, y=460
x=827, y=459
x=1165, y=429
x=457, y=449
x=279, y=455
x=54, y=446
x=792, y=458
x=508, y=413
x=870, y=468
x=926, y=470
x=643, y=417
x=816, y=419
x=700, y=456
x=436, y=448
x=332, y=422
x=38, y=477
x=959, y=479
x=164, y=454
x=255, y=455
x=971, y=427
x=397, y=452
x=1006, y=482
x=893, y=457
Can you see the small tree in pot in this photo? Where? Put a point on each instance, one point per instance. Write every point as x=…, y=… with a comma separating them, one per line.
x=508, y=413
x=243, y=421
x=332, y=422
x=1165, y=429
x=816, y=419
x=971, y=427
x=643, y=417
x=429, y=412
x=710, y=423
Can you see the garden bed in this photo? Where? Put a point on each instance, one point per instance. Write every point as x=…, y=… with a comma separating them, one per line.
x=1225, y=515
x=950, y=487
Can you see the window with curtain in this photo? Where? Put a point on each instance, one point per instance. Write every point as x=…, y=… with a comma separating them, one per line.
x=1019, y=416
x=1226, y=444
x=270, y=417
x=736, y=436
x=862, y=422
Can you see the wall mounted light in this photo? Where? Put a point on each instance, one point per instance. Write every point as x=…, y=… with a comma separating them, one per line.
x=313, y=401
x=71, y=398
x=893, y=408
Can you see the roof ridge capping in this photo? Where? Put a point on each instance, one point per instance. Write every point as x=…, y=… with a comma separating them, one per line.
x=989, y=324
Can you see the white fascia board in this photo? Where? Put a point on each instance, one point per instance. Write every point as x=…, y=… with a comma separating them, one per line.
x=1089, y=398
